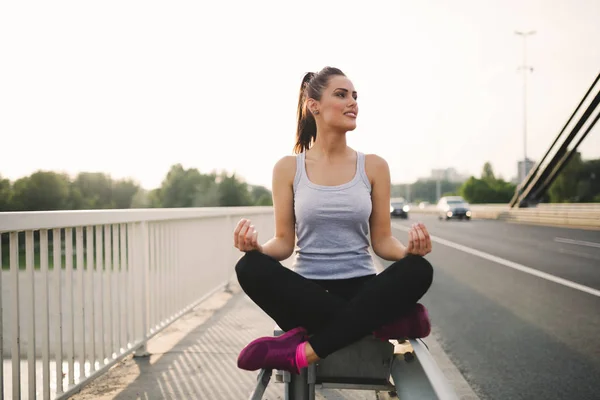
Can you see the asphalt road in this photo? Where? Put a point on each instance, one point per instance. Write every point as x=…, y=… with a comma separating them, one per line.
x=514, y=334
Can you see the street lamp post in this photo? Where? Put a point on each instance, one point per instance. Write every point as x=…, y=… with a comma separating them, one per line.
x=525, y=68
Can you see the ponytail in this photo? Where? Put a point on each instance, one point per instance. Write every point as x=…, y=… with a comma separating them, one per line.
x=306, y=131
x=312, y=86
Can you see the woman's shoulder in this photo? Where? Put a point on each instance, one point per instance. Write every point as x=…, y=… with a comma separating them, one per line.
x=285, y=168
x=376, y=166
x=374, y=161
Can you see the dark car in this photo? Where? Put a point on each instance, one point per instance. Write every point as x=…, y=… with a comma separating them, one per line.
x=456, y=207
x=399, y=208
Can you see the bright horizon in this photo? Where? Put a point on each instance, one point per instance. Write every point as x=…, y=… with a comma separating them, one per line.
x=131, y=88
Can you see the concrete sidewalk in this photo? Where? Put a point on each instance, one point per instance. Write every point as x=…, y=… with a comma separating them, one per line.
x=195, y=358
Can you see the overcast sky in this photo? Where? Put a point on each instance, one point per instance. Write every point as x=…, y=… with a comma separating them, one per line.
x=131, y=87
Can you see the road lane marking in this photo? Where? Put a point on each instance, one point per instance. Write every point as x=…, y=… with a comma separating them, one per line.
x=579, y=242
x=510, y=264
x=578, y=254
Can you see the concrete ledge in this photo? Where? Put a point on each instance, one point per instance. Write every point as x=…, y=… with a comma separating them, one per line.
x=585, y=216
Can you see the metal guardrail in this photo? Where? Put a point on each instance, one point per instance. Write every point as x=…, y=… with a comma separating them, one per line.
x=422, y=378
x=84, y=289
x=586, y=215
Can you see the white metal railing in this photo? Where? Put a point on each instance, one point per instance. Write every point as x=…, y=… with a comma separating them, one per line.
x=84, y=289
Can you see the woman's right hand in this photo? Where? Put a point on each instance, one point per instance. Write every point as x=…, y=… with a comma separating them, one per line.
x=245, y=236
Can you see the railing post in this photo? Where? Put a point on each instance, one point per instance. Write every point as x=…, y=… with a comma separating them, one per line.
x=143, y=265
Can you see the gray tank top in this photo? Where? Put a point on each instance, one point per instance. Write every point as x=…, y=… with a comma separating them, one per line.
x=332, y=225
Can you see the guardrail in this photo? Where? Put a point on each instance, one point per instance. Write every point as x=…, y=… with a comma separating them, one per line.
x=582, y=215
x=84, y=289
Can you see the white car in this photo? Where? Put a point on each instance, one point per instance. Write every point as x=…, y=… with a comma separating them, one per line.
x=456, y=207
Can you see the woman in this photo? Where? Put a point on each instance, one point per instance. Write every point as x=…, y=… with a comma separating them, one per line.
x=331, y=197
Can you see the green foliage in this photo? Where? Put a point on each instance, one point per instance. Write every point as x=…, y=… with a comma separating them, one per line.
x=5, y=194
x=488, y=173
x=42, y=190
x=233, y=192
x=579, y=181
x=46, y=190
x=488, y=189
x=181, y=187
x=123, y=192
x=261, y=196
x=92, y=191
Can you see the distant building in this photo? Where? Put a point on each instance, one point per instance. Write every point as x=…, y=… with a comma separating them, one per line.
x=529, y=164
x=447, y=174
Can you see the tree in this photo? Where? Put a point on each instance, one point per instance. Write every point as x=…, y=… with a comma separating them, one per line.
x=42, y=191
x=488, y=189
x=188, y=188
x=487, y=174
x=123, y=192
x=476, y=191
x=5, y=194
x=591, y=175
x=261, y=196
x=565, y=188
x=141, y=199
x=233, y=192
x=92, y=190
x=207, y=195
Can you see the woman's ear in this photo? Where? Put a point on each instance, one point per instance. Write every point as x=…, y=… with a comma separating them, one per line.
x=312, y=105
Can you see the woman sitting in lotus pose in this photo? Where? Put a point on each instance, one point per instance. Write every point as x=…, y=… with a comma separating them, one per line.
x=331, y=198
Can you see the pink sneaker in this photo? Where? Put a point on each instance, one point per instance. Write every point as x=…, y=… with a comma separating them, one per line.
x=277, y=352
x=413, y=325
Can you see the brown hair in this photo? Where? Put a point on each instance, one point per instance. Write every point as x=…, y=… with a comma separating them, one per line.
x=312, y=86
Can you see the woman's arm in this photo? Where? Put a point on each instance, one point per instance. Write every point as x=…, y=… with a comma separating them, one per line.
x=384, y=244
x=281, y=246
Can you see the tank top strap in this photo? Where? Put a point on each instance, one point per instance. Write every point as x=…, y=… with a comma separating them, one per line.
x=362, y=170
x=299, y=169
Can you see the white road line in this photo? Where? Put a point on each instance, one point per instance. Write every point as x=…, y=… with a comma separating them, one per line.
x=578, y=254
x=510, y=264
x=579, y=242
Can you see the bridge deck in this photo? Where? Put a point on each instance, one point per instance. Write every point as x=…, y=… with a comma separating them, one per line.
x=195, y=358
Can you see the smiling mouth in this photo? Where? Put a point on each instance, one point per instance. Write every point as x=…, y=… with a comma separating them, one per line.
x=350, y=114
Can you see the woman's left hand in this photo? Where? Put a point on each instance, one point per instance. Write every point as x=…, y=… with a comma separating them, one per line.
x=419, y=242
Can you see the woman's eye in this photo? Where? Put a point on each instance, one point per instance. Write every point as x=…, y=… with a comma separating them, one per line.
x=341, y=94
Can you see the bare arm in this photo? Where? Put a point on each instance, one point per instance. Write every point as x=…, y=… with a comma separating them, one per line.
x=384, y=244
x=281, y=246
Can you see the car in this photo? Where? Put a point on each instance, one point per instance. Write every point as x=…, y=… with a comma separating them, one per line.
x=453, y=207
x=399, y=208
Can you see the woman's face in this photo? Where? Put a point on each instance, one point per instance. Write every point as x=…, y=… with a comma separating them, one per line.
x=338, y=107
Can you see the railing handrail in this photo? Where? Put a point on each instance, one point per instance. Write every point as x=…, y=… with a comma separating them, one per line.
x=34, y=220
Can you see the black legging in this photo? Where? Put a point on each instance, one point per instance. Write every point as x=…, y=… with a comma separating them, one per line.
x=349, y=311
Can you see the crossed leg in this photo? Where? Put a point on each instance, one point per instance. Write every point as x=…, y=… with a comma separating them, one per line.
x=293, y=301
